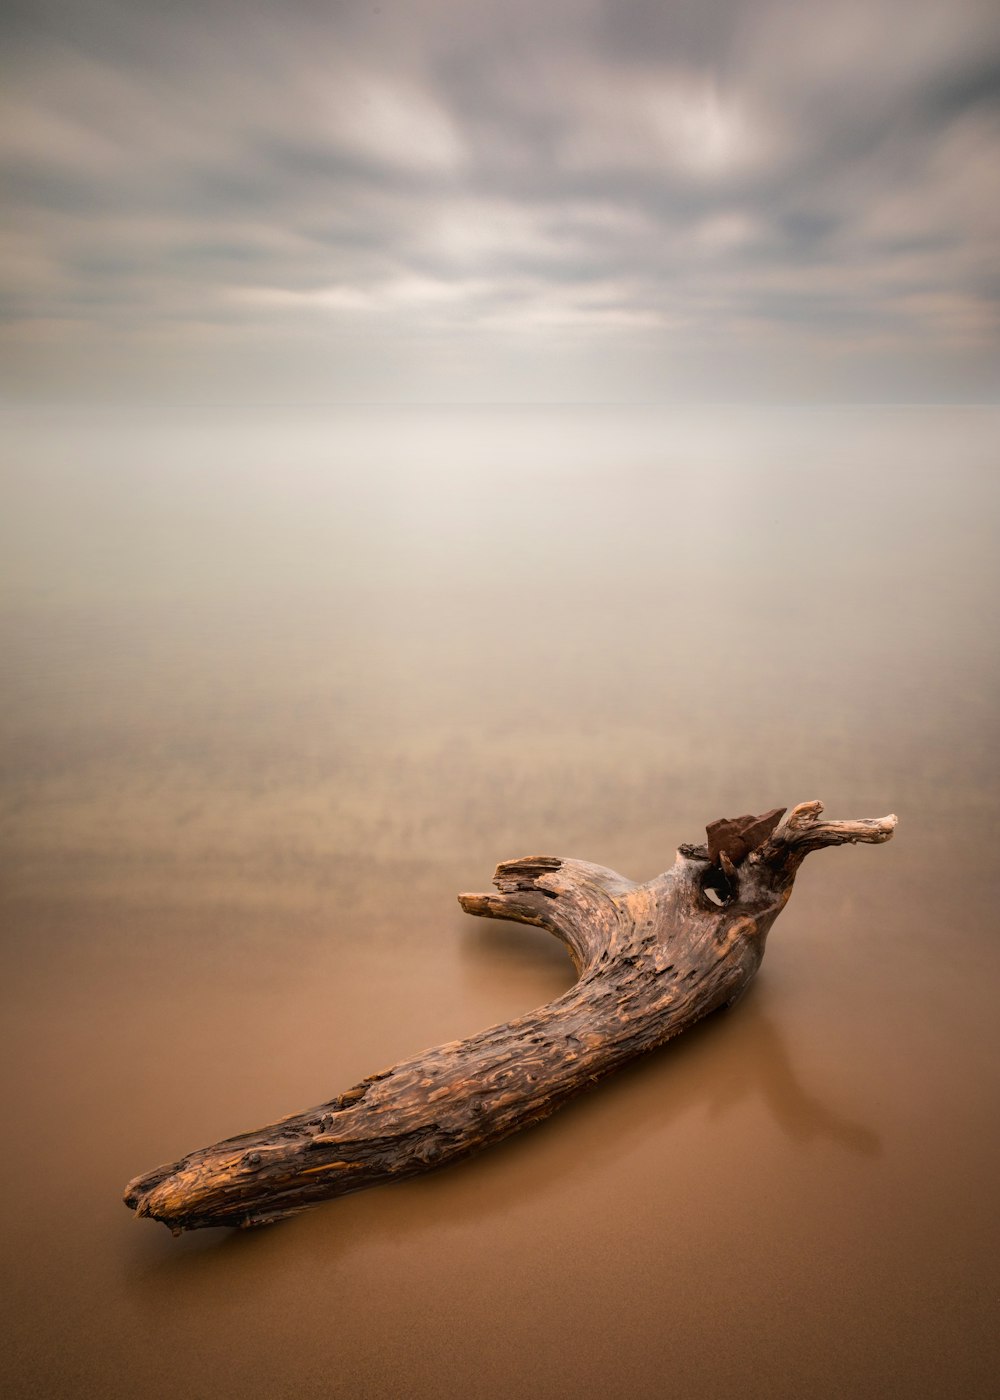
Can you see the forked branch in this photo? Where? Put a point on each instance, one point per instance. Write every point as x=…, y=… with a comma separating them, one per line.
x=652, y=960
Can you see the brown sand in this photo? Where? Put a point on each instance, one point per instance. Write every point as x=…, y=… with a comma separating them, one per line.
x=266, y=687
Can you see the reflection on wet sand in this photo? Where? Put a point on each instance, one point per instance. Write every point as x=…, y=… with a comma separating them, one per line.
x=768, y=1070
x=762, y=1064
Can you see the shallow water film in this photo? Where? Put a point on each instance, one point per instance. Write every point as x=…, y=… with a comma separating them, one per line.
x=278, y=686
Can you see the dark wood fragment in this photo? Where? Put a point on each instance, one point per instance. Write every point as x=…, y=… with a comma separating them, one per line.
x=652, y=960
x=738, y=836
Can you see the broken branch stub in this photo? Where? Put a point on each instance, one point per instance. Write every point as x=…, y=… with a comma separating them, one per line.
x=652, y=960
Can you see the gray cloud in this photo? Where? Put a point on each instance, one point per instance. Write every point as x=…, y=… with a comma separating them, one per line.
x=488, y=200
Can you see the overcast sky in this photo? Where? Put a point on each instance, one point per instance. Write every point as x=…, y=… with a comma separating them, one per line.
x=561, y=199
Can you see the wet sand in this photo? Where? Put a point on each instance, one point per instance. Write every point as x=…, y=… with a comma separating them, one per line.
x=277, y=688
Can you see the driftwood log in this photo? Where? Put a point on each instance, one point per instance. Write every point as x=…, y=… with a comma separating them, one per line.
x=652, y=960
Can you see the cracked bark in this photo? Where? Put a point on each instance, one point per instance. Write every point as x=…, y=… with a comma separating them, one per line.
x=652, y=960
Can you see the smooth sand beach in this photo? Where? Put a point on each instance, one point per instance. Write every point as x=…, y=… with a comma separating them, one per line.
x=278, y=686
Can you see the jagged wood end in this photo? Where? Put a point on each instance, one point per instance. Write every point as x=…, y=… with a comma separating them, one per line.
x=576, y=900
x=802, y=832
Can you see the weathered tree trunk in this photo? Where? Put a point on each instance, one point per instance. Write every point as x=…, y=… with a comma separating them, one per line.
x=652, y=960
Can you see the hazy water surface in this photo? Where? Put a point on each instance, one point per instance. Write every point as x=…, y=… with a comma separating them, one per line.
x=277, y=686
